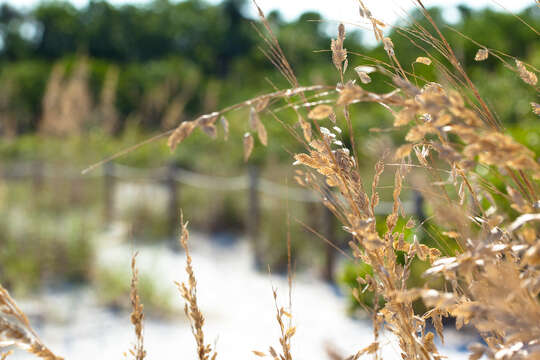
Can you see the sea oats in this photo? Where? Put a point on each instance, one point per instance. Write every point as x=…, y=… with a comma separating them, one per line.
x=248, y=145
x=481, y=54
x=253, y=119
x=261, y=104
x=262, y=134
x=423, y=60
x=321, y=112
x=306, y=128
x=388, y=46
x=526, y=75
x=15, y=329
x=188, y=290
x=339, y=53
x=225, y=125
x=181, y=132
x=364, y=77
x=210, y=130
x=365, y=69
x=137, y=316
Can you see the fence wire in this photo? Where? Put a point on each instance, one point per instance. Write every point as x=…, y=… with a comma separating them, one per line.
x=179, y=175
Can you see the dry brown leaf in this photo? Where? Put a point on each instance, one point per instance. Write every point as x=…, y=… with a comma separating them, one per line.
x=248, y=145
x=320, y=112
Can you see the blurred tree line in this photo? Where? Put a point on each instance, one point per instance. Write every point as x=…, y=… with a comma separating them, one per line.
x=159, y=63
x=162, y=48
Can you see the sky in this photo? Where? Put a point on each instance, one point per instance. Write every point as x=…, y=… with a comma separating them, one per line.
x=341, y=10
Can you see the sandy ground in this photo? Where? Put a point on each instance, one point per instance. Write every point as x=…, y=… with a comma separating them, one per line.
x=236, y=300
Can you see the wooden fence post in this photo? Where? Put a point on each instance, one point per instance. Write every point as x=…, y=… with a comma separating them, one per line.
x=419, y=206
x=253, y=215
x=108, y=192
x=173, y=209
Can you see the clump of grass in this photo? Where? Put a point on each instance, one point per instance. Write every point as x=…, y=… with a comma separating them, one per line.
x=112, y=284
x=56, y=250
x=67, y=103
x=15, y=329
x=284, y=320
x=189, y=293
x=137, y=314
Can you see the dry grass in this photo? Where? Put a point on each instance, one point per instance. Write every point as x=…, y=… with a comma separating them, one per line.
x=67, y=103
x=493, y=281
x=189, y=293
x=106, y=108
x=137, y=315
x=453, y=140
x=15, y=329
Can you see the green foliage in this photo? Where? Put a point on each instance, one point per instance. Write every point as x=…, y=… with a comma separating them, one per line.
x=113, y=286
x=348, y=277
x=44, y=250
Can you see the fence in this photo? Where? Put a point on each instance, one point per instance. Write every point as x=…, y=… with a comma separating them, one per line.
x=173, y=178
